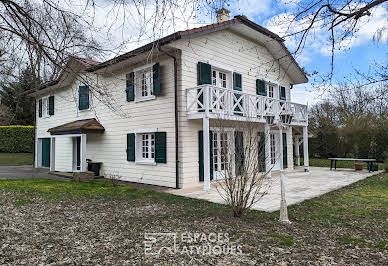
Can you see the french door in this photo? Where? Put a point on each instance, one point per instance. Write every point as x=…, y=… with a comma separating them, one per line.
x=219, y=79
x=223, y=155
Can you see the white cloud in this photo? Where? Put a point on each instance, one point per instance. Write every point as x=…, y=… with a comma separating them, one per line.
x=122, y=27
x=318, y=39
x=253, y=8
x=305, y=94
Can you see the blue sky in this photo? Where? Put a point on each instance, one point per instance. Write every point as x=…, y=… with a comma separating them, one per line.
x=362, y=50
x=361, y=53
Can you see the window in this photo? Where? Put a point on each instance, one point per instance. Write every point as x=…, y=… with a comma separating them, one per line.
x=271, y=91
x=83, y=97
x=273, y=148
x=144, y=84
x=44, y=106
x=147, y=147
x=219, y=79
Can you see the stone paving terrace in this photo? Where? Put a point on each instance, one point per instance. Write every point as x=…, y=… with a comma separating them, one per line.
x=300, y=186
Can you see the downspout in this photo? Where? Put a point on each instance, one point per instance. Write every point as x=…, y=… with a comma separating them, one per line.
x=176, y=116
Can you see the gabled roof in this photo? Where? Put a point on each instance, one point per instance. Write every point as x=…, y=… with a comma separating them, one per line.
x=78, y=127
x=83, y=63
x=275, y=46
x=204, y=29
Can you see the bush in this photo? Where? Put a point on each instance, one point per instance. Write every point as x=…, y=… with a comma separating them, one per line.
x=16, y=139
x=386, y=161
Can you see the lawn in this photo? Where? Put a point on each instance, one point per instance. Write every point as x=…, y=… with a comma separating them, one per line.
x=58, y=222
x=340, y=164
x=16, y=158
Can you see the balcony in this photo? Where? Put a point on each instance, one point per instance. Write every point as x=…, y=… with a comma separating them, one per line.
x=221, y=103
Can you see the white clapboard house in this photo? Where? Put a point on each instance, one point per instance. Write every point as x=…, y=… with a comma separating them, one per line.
x=148, y=115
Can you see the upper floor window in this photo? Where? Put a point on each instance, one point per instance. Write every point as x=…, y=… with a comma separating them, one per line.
x=271, y=91
x=83, y=97
x=219, y=78
x=46, y=106
x=144, y=83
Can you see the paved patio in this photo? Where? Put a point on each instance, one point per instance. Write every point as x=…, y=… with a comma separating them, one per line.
x=300, y=186
x=26, y=172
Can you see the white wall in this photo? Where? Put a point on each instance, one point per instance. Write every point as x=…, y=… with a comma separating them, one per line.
x=223, y=48
x=228, y=49
x=110, y=147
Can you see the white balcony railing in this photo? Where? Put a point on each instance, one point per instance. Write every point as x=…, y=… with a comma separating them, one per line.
x=231, y=104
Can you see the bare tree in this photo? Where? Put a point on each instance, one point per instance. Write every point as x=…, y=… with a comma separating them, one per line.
x=341, y=19
x=239, y=162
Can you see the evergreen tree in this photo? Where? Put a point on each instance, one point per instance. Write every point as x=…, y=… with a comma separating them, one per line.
x=14, y=95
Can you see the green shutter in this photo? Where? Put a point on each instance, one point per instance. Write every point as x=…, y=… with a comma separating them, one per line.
x=237, y=81
x=204, y=73
x=83, y=97
x=130, y=86
x=237, y=85
x=282, y=91
x=261, y=151
x=40, y=107
x=200, y=149
x=285, y=164
x=204, y=76
x=160, y=147
x=156, y=79
x=51, y=105
x=260, y=87
x=239, y=148
x=131, y=147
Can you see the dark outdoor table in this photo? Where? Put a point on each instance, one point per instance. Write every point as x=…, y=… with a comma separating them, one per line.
x=368, y=161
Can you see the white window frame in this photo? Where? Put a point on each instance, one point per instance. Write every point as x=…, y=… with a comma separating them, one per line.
x=272, y=145
x=138, y=83
x=269, y=87
x=229, y=157
x=150, y=146
x=227, y=71
x=90, y=99
x=45, y=107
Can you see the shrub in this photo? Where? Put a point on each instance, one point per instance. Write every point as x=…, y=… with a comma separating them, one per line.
x=386, y=161
x=16, y=138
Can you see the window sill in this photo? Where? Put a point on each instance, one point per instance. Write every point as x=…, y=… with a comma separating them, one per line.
x=84, y=110
x=146, y=162
x=143, y=99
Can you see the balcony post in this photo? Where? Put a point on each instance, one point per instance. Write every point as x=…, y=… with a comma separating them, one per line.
x=297, y=154
x=283, y=203
x=206, y=141
x=305, y=149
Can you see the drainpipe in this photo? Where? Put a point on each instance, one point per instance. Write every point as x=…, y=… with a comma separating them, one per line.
x=176, y=116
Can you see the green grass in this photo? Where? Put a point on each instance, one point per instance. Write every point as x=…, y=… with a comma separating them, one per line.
x=284, y=240
x=352, y=216
x=340, y=164
x=16, y=158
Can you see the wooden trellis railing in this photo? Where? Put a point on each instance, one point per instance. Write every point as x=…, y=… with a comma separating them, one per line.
x=231, y=103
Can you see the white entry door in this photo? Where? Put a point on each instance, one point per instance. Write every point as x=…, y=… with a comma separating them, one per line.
x=223, y=155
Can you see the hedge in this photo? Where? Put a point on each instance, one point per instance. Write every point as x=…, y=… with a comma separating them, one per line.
x=16, y=138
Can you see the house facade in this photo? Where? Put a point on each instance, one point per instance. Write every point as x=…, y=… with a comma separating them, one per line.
x=153, y=115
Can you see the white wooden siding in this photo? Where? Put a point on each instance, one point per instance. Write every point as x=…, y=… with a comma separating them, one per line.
x=235, y=52
x=223, y=48
x=110, y=147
